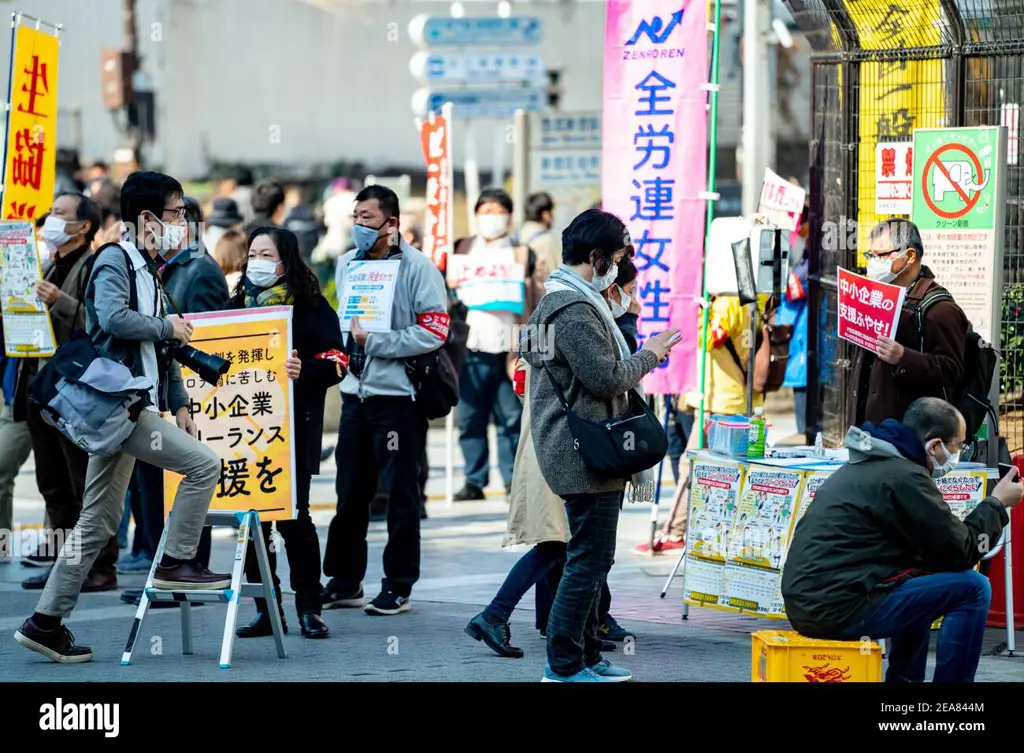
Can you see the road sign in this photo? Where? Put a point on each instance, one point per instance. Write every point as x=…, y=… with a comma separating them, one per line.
x=477, y=67
x=481, y=31
x=570, y=130
x=478, y=103
x=959, y=189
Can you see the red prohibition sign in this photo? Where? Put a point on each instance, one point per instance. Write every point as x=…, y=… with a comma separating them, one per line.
x=934, y=160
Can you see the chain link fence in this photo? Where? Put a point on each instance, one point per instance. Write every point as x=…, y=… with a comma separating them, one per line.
x=880, y=69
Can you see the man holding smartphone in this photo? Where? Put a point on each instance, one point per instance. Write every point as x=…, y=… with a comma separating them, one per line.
x=881, y=555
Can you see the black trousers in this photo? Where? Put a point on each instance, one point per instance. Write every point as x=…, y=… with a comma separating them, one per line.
x=380, y=441
x=302, y=546
x=572, y=626
x=60, y=476
x=547, y=587
x=147, y=494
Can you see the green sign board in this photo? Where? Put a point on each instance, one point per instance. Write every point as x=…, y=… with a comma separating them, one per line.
x=954, y=178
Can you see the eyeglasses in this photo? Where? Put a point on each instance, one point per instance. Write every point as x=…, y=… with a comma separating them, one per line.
x=869, y=255
x=179, y=211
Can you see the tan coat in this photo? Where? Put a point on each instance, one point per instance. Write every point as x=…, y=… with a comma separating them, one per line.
x=536, y=514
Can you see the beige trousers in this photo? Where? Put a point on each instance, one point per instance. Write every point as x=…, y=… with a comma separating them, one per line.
x=15, y=447
x=154, y=441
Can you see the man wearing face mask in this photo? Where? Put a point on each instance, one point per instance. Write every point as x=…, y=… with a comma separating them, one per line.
x=382, y=436
x=125, y=320
x=60, y=465
x=881, y=555
x=195, y=281
x=485, y=384
x=904, y=370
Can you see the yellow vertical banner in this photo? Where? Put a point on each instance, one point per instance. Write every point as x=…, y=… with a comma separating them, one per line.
x=30, y=159
x=247, y=417
x=896, y=96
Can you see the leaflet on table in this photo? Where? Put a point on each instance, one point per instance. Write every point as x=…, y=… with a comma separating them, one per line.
x=963, y=490
x=703, y=582
x=28, y=329
x=714, y=497
x=369, y=293
x=760, y=533
x=753, y=590
x=812, y=482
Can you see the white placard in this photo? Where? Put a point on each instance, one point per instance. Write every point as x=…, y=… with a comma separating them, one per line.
x=369, y=293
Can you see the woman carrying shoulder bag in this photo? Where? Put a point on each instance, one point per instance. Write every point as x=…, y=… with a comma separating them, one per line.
x=275, y=275
x=584, y=384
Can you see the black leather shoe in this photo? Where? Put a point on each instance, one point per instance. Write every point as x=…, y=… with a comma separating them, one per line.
x=497, y=637
x=260, y=627
x=608, y=646
x=313, y=626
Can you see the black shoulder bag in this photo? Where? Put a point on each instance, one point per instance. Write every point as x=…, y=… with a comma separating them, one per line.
x=617, y=446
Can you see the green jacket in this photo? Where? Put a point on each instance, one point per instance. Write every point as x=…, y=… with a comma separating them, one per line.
x=877, y=521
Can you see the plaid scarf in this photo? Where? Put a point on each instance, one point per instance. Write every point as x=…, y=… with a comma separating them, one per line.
x=256, y=297
x=355, y=352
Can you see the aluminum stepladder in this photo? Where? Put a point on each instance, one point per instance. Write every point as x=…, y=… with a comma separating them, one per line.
x=248, y=529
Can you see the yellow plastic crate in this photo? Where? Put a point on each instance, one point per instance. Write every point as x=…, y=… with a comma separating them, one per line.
x=787, y=656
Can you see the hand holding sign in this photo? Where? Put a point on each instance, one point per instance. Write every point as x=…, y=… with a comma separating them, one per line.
x=358, y=332
x=889, y=350
x=293, y=366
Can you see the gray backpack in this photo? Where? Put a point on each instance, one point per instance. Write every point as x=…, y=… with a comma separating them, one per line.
x=93, y=401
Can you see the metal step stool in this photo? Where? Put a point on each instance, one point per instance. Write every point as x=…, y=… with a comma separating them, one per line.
x=248, y=528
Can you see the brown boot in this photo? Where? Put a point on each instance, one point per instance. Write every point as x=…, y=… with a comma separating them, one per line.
x=189, y=576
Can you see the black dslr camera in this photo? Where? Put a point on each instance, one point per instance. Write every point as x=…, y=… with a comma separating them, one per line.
x=210, y=368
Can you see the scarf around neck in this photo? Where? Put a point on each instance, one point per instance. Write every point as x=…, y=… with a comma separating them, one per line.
x=277, y=295
x=641, y=487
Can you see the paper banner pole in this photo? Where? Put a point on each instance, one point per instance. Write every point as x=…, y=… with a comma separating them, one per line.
x=472, y=175
x=712, y=166
x=449, y=461
x=705, y=304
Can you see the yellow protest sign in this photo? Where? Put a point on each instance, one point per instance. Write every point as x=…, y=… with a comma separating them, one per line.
x=246, y=418
x=31, y=150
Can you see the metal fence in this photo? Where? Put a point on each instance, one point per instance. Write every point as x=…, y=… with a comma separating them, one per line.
x=881, y=68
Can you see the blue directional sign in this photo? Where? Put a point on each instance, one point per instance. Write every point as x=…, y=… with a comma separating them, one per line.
x=479, y=103
x=477, y=67
x=481, y=31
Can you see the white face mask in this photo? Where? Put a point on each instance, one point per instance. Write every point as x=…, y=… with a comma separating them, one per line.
x=171, y=239
x=54, y=231
x=605, y=281
x=880, y=270
x=620, y=308
x=952, y=461
x=262, y=273
x=492, y=226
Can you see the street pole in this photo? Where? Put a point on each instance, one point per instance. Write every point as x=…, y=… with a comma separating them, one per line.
x=131, y=48
x=520, y=168
x=757, y=126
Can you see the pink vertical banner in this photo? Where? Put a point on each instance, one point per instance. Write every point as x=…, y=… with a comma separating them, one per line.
x=654, y=165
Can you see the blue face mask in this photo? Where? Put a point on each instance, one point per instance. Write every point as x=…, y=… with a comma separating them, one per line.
x=365, y=237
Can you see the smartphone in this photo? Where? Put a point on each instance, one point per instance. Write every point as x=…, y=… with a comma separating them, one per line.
x=675, y=338
x=1004, y=468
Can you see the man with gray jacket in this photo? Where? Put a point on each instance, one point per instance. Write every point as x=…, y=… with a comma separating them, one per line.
x=383, y=432
x=125, y=319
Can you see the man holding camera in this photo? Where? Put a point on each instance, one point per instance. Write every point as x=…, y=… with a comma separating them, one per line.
x=125, y=319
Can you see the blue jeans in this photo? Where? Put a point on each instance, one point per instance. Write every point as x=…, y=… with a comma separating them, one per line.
x=906, y=616
x=485, y=389
x=528, y=572
x=678, y=436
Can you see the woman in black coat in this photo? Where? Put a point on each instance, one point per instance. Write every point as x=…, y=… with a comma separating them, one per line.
x=275, y=275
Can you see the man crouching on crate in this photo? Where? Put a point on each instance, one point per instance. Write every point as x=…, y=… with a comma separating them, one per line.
x=880, y=555
x=126, y=324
